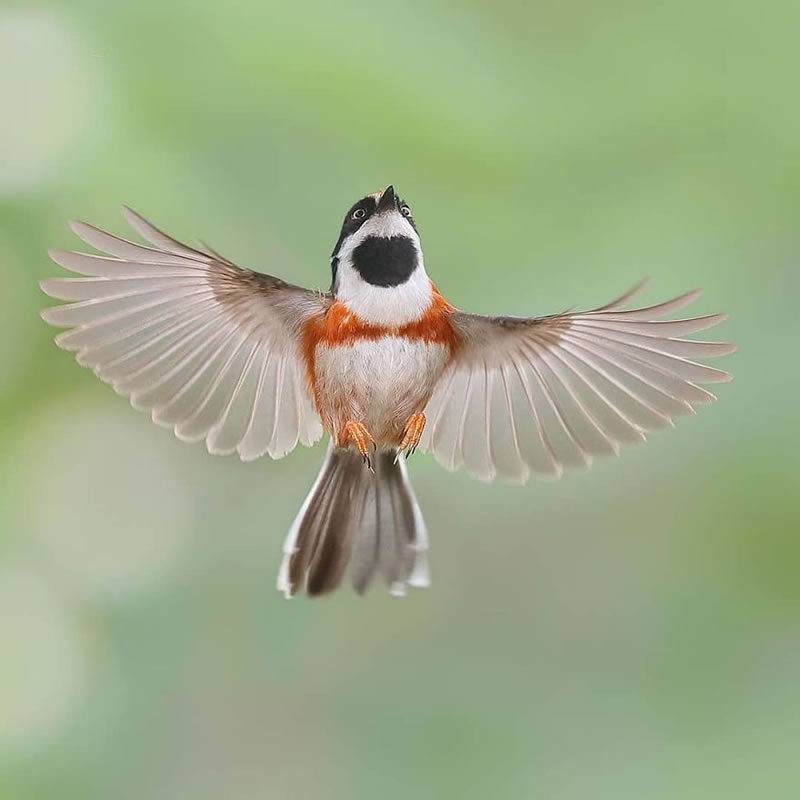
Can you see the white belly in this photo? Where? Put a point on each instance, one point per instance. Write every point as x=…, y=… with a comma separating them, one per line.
x=379, y=383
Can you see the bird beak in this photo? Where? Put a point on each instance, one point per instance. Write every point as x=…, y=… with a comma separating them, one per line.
x=387, y=200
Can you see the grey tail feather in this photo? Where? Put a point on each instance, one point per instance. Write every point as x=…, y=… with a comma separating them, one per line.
x=351, y=515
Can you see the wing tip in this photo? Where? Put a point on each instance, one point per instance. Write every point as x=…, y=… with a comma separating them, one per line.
x=248, y=457
x=129, y=215
x=45, y=314
x=725, y=348
x=43, y=284
x=626, y=297
x=53, y=253
x=78, y=226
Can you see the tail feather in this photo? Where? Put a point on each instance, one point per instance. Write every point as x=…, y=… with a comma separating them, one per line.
x=351, y=511
x=419, y=576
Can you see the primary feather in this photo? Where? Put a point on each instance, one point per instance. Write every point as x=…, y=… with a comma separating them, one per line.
x=540, y=394
x=210, y=349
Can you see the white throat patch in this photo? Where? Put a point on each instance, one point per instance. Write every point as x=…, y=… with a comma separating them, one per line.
x=383, y=305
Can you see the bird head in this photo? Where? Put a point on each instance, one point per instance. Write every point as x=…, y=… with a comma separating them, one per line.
x=378, y=242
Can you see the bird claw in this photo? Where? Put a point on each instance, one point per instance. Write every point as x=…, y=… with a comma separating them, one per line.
x=408, y=452
x=356, y=432
x=411, y=437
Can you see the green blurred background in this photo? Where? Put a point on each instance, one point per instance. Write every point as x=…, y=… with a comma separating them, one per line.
x=631, y=632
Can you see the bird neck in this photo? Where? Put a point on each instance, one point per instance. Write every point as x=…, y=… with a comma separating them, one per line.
x=386, y=305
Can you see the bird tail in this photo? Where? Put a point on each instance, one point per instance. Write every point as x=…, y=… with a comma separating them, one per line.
x=370, y=520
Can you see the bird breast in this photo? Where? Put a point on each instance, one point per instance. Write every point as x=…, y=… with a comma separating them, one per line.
x=378, y=382
x=372, y=374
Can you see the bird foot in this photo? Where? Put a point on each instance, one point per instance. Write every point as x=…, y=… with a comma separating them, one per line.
x=356, y=433
x=413, y=433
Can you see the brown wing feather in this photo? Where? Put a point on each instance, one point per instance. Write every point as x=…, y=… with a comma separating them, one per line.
x=541, y=394
x=210, y=349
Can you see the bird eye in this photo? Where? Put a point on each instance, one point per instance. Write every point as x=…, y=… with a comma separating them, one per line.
x=405, y=211
x=359, y=213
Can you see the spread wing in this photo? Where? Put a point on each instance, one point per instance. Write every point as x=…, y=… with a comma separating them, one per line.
x=209, y=348
x=542, y=394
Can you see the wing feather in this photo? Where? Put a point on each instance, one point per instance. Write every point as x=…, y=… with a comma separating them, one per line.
x=543, y=394
x=210, y=349
x=538, y=437
x=162, y=241
x=572, y=452
x=256, y=440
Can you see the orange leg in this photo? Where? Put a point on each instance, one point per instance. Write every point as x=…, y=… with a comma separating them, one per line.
x=355, y=432
x=412, y=435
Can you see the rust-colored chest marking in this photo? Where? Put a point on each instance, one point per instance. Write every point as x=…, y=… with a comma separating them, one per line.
x=340, y=327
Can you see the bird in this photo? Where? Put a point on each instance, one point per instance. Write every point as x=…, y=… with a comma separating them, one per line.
x=382, y=363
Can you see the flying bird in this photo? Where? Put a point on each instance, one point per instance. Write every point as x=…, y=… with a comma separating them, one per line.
x=382, y=363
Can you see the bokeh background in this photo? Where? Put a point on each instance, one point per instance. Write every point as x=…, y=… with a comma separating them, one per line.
x=630, y=632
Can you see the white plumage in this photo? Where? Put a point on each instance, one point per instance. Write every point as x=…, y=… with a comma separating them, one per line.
x=380, y=382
